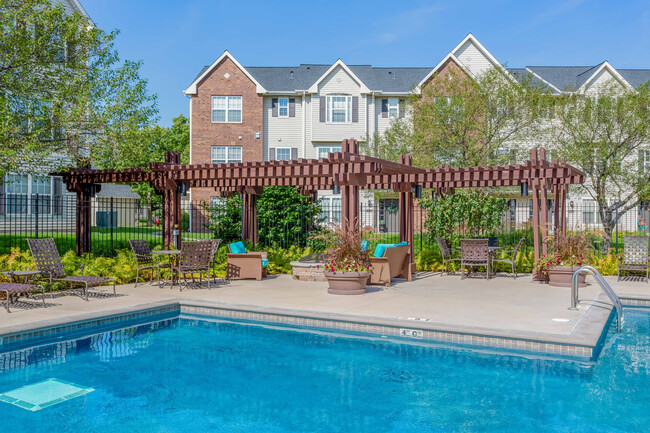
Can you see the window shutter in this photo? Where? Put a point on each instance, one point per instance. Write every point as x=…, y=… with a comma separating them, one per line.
x=274, y=107
x=2, y=198
x=294, y=153
x=323, y=108
x=402, y=109
x=384, y=108
x=57, y=197
x=292, y=107
x=272, y=154
x=355, y=109
x=641, y=161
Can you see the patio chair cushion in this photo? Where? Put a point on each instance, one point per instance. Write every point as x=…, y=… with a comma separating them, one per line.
x=237, y=248
x=265, y=262
x=365, y=245
x=380, y=249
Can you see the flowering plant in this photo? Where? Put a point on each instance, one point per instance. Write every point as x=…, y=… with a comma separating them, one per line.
x=345, y=253
x=573, y=249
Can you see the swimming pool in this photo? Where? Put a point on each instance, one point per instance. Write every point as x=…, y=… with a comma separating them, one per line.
x=195, y=375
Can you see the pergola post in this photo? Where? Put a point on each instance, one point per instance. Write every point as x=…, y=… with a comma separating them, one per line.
x=83, y=218
x=406, y=233
x=562, y=225
x=249, y=213
x=172, y=215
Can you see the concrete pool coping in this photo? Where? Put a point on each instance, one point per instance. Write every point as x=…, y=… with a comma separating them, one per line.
x=580, y=339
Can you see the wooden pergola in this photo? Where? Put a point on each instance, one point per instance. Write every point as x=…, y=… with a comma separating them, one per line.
x=346, y=169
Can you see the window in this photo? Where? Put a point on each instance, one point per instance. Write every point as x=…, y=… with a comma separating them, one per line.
x=646, y=161
x=17, y=188
x=283, y=107
x=339, y=109
x=590, y=214
x=42, y=187
x=324, y=151
x=224, y=154
x=450, y=110
x=283, y=154
x=226, y=109
x=393, y=107
x=330, y=210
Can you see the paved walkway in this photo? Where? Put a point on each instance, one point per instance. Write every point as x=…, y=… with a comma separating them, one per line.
x=502, y=305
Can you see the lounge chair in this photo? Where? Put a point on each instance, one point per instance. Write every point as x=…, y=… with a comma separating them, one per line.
x=445, y=252
x=48, y=261
x=194, y=259
x=635, y=256
x=144, y=259
x=242, y=264
x=390, y=261
x=513, y=261
x=474, y=252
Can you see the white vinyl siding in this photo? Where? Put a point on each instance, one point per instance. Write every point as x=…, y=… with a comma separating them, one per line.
x=282, y=132
x=225, y=154
x=226, y=109
x=338, y=82
x=471, y=56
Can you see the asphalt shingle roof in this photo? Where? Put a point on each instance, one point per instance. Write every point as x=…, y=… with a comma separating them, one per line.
x=402, y=80
x=117, y=191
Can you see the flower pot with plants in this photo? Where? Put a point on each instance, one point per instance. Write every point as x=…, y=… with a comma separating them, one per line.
x=568, y=253
x=347, y=267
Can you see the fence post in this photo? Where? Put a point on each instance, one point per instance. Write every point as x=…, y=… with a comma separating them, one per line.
x=36, y=215
x=111, y=225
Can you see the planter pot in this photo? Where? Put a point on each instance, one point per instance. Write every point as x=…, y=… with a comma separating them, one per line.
x=560, y=276
x=347, y=283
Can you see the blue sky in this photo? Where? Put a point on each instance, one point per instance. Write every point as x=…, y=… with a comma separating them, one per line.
x=176, y=38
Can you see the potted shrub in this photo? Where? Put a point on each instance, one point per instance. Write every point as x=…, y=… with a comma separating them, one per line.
x=569, y=253
x=347, y=267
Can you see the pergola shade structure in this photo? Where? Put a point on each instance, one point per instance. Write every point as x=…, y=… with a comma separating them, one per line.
x=346, y=169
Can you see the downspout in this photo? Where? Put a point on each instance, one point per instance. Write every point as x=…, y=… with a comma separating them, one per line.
x=304, y=126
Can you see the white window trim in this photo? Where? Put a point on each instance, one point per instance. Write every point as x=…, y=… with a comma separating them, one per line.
x=646, y=160
x=286, y=116
x=330, y=149
x=283, y=148
x=227, y=159
x=241, y=109
x=348, y=109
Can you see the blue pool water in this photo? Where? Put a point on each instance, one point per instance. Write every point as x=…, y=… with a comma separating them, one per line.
x=190, y=375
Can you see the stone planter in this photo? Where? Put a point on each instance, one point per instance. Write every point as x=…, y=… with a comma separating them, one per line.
x=347, y=283
x=560, y=276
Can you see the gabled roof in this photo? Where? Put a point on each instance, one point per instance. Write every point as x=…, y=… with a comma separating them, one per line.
x=603, y=66
x=577, y=78
x=191, y=90
x=339, y=64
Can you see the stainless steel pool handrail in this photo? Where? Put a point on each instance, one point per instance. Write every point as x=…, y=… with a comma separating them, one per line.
x=603, y=285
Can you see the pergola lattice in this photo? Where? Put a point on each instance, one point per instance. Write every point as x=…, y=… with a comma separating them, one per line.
x=347, y=169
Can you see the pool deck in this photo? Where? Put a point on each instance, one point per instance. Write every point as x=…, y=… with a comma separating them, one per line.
x=502, y=313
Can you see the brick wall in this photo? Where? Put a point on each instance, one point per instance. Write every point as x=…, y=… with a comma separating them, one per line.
x=206, y=134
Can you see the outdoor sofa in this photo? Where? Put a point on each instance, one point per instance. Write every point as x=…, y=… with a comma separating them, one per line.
x=390, y=261
x=243, y=264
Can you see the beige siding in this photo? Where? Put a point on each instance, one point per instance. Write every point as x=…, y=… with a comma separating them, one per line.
x=472, y=57
x=339, y=81
x=602, y=79
x=282, y=131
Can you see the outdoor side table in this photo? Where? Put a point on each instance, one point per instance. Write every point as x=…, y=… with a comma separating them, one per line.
x=173, y=256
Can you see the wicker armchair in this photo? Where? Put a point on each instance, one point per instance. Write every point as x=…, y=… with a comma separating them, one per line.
x=393, y=264
x=194, y=259
x=48, y=261
x=635, y=256
x=513, y=261
x=474, y=252
x=144, y=259
x=243, y=264
x=445, y=252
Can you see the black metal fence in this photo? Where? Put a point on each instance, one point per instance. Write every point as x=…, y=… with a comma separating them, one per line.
x=116, y=220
